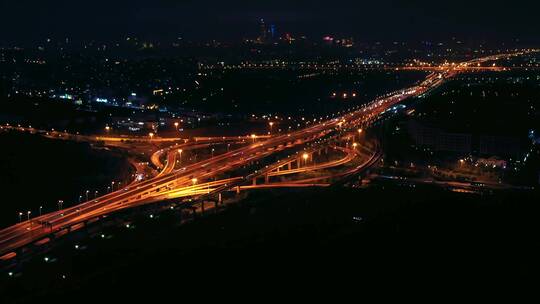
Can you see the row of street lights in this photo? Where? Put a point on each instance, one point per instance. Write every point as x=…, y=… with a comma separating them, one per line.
x=60, y=203
x=27, y=216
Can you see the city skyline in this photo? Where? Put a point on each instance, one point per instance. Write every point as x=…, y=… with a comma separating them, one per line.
x=234, y=20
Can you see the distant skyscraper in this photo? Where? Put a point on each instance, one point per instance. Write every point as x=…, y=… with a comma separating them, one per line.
x=272, y=31
x=263, y=31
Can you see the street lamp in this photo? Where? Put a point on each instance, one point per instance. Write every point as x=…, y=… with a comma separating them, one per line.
x=354, y=145
x=360, y=131
x=176, y=124
x=40, y=207
x=20, y=217
x=87, y=191
x=253, y=136
x=271, y=124
x=151, y=135
x=213, y=152
x=28, y=215
x=107, y=128
x=180, y=152
x=60, y=203
x=194, y=181
x=305, y=157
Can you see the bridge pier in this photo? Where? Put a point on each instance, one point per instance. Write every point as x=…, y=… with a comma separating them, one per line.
x=217, y=203
x=19, y=254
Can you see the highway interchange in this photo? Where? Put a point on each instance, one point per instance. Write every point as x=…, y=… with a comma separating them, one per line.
x=202, y=178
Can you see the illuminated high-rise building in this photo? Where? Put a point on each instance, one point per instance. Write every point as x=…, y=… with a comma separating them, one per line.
x=272, y=31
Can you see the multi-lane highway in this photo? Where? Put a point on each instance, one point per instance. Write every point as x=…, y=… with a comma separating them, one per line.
x=186, y=178
x=39, y=227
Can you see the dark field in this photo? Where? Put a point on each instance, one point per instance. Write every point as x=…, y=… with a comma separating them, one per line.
x=491, y=103
x=38, y=172
x=290, y=93
x=301, y=240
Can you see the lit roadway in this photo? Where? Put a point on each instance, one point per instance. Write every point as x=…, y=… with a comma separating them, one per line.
x=24, y=233
x=174, y=152
x=209, y=187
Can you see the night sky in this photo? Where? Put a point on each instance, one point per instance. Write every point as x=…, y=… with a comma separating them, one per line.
x=26, y=20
